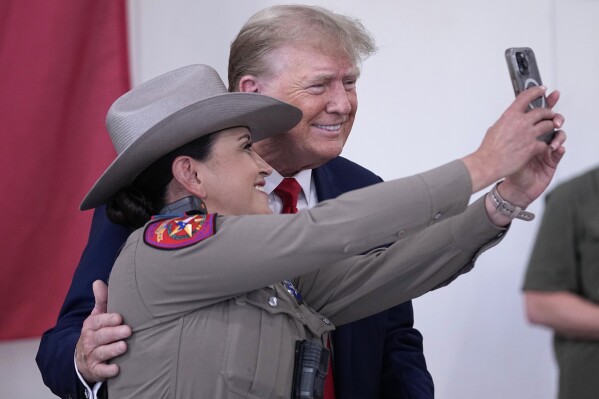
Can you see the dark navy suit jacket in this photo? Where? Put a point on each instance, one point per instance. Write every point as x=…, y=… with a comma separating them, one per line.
x=376, y=357
x=379, y=356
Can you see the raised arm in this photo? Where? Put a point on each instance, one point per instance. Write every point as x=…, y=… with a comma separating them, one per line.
x=506, y=152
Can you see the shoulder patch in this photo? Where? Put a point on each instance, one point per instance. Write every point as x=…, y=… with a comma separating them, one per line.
x=179, y=232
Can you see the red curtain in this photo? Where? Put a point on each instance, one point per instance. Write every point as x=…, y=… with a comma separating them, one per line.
x=62, y=63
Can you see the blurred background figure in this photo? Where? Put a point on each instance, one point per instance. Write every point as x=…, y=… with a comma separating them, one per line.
x=561, y=288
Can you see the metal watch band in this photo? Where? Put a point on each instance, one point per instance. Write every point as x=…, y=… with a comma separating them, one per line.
x=507, y=208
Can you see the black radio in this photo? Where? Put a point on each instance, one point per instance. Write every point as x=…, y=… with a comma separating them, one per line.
x=310, y=371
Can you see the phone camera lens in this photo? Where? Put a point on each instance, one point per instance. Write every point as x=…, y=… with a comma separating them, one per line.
x=522, y=63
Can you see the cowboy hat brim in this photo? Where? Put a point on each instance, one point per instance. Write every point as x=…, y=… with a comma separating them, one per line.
x=262, y=115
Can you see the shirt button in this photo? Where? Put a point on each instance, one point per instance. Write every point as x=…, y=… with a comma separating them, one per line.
x=326, y=321
x=273, y=301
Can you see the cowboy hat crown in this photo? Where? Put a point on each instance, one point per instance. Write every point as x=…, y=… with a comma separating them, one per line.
x=174, y=109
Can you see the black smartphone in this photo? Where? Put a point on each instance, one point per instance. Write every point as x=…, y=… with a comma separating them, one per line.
x=524, y=73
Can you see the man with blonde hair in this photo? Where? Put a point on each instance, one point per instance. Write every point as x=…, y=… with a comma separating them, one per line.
x=311, y=58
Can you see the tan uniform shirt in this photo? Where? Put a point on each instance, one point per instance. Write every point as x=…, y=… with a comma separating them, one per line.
x=213, y=321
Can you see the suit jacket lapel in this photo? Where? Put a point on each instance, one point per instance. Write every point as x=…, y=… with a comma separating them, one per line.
x=325, y=183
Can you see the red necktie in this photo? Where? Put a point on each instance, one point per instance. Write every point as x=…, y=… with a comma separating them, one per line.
x=329, y=382
x=288, y=190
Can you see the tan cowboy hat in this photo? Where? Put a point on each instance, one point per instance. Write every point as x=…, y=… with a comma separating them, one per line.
x=174, y=109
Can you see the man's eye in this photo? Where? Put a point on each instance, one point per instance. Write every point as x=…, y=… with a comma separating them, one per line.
x=316, y=89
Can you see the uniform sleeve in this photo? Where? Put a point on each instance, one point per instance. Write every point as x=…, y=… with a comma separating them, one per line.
x=57, y=346
x=386, y=346
x=250, y=252
x=553, y=263
x=413, y=265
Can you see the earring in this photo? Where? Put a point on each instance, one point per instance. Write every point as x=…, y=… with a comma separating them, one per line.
x=200, y=205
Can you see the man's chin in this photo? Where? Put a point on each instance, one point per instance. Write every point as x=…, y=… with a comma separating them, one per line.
x=327, y=151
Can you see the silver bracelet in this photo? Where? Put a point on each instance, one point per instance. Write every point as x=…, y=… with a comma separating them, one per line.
x=508, y=209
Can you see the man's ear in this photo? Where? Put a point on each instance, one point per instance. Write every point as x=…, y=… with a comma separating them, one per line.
x=249, y=84
x=187, y=172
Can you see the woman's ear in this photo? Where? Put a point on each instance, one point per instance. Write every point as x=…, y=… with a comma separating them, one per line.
x=249, y=84
x=187, y=172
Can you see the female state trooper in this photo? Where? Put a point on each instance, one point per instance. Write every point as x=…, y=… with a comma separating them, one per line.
x=226, y=300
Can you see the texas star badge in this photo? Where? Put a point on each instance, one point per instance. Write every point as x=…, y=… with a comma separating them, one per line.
x=179, y=232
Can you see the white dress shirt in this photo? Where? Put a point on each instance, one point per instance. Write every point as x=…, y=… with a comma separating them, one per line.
x=307, y=197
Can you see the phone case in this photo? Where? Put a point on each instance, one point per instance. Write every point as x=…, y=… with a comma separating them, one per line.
x=524, y=73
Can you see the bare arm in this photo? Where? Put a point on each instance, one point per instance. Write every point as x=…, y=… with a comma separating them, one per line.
x=568, y=314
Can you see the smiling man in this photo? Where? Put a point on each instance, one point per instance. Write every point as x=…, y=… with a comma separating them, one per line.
x=322, y=83
x=310, y=57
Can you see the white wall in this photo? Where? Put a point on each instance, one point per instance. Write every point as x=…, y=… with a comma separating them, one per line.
x=438, y=81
